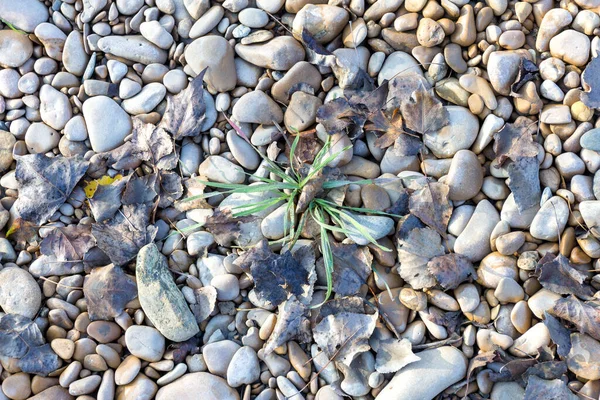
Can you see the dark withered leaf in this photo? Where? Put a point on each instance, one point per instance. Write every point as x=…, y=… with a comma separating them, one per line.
x=338, y=116
x=139, y=190
x=343, y=335
x=350, y=304
x=40, y=360
x=393, y=355
x=17, y=335
x=107, y=291
x=451, y=270
x=481, y=360
x=415, y=250
x=514, y=143
x=401, y=205
x=559, y=334
x=292, y=324
x=555, y=389
x=388, y=128
x=68, y=243
x=186, y=111
x=528, y=71
x=300, y=87
x=585, y=316
x=22, y=232
x=124, y=157
x=154, y=144
x=21, y=338
x=556, y=274
x=402, y=86
x=424, y=113
x=430, y=204
x=451, y=320
x=122, y=236
x=169, y=188
x=546, y=370
x=224, y=227
x=45, y=184
x=206, y=299
x=513, y=369
x=315, y=53
x=589, y=79
x=182, y=349
x=351, y=267
x=279, y=276
x=107, y=199
x=307, y=148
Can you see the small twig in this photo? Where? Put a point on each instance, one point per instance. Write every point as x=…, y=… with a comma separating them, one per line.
x=434, y=345
x=61, y=284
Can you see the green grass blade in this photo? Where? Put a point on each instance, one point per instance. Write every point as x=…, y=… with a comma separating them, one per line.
x=255, y=208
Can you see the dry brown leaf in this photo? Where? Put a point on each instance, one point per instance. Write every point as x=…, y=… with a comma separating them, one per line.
x=451, y=270
x=224, y=227
x=559, y=334
x=68, y=243
x=292, y=324
x=424, y=113
x=558, y=275
x=585, y=316
x=555, y=389
x=107, y=290
x=430, y=204
x=352, y=267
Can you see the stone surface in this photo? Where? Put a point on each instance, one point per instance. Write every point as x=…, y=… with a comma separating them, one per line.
x=189, y=386
x=107, y=124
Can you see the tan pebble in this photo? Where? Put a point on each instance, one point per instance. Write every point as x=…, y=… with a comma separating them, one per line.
x=542, y=301
x=430, y=33
x=64, y=348
x=512, y=40
x=481, y=314
x=529, y=103
x=488, y=340
x=581, y=112
x=467, y=297
x=41, y=383
x=528, y=344
x=128, y=370
x=17, y=386
x=406, y=22
x=299, y=360
x=476, y=104
x=94, y=363
x=442, y=300
x=110, y=355
x=267, y=327
x=414, y=300
x=520, y=316
x=509, y=291
x=104, y=331
x=465, y=33
x=477, y=85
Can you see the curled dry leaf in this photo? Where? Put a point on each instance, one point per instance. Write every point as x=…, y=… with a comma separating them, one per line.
x=481, y=360
x=224, y=227
x=528, y=71
x=430, y=204
x=584, y=315
x=186, y=111
x=153, y=144
x=546, y=370
x=45, y=184
x=107, y=291
x=558, y=275
x=424, y=113
x=415, y=250
x=514, y=145
x=589, y=79
x=21, y=338
x=279, y=276
x=344, y=334
x=351, y=267
x=450, y=270
x=107, y=199
x=206, y=300
x=21, y=232
x=559, y=334
x=182, y=349
x=122, y=236
x=538, y=388
x=393, y=355
x=292, y=324
x=69, y=243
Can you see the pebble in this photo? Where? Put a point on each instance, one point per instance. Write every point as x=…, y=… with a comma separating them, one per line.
x=244, y=368
x=436, y=370
x=302, y=72
x=55, y=108
x=134, y=48
x=465, y=177
x=218, y=356
x=258, y=108
x=107, y=123
x=580, y=359
x=280, y=53
x=528, y=344
x=17, y=386
x=324, y=22
x=219, y=169
x=145, y=342
x=571, y=46
x=40, y=138
x=474, y=240
x=146, y=100
x=550, y=220
x=188, y=387
x=459, y=134
x=25, y=15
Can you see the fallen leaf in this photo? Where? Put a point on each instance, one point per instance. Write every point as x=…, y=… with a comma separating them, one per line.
x=424, y=113
x=344, y=334
x=430, y=204
x=122, y=236
x=107, y=291
x=206, y=300
x=546, y=370
x=279, y=276
x=450, y=270
x=22, y=232
x=182, y=349
x=351, y=267
x=514, y=143
x=68, y=243
x=528, y=71
x=107, y=199
x=589, y=80
x=169, y=188
x=513, y=370
x=481, y=360
x=292, y=324
x=556, y=274
x=153, y=144
x=21, y=338
x=393, y=355
x=224, y=227
x=389, y=129
x=91, y=187
x=559, y=334
x=186, y=111
x=315, y=53
x=401, y=88
x=585, y=316
x=45, y=184
x=415, y=250
x=451, y=320
x=555, y=389
x=140, y=189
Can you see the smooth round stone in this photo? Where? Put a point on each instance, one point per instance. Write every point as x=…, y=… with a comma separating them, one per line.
x=375, y=197
x=507, y=390
x=17, y=386
x=244, y=368
x=397, y=64
x=128, y=370
x=218, y=355
x=19, y=292
x=52, y=38
x=591, y=140
x=209, y=20
x=29, y=83
x=301, y=112
x=155, y=33
x=7, y=144
x=134, y=48
x=542, y=301
x=494, y=267
x=571, y=46
x=190, y=385
x=23, y=14
x=55, y=108
x=465, y=176
x=107, y=123
x=215, y=53
x=474, y=240
x=509, y=291
x=145, y=101
x=280, y=53
x=253, y=17
x=175, y=81
x=74, y=57
x=129, y=7
x=219, y=169
x=528, y=344
x=227, y=285
x=145, y=342
x=75, y=130
x=242, y=151
x=324, y=22
x=515, y=218
x=459, y=134
x=40, y=138
x=550, y=220
x=435, y=371
x=141, y=388
x=503, y=67
x=104, y=331
x=9, y=83
x=258, y=108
